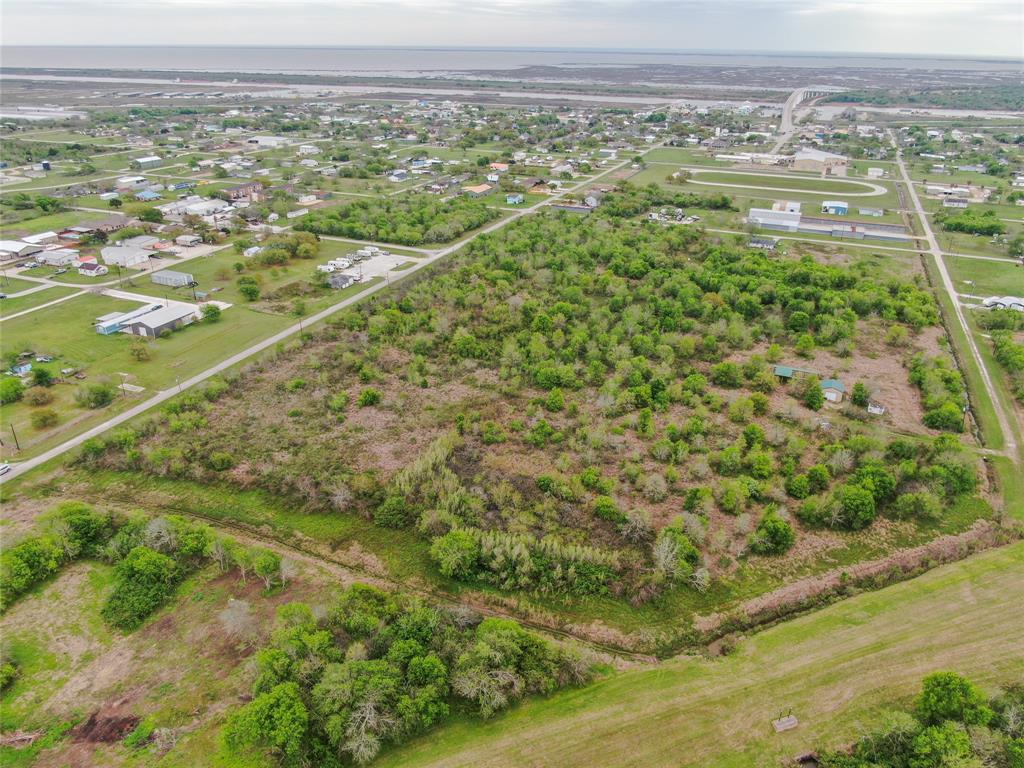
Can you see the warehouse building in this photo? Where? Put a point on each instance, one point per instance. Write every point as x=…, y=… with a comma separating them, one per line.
x=173, y=279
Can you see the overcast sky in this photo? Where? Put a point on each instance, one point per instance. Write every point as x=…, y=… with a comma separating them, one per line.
x=951, y=27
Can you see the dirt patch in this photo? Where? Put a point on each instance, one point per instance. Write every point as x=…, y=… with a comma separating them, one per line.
x=104, y=729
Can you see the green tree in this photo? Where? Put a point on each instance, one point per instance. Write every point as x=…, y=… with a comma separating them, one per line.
x=456, y=553
x=41, y=377
x=211, y=313
x=773, y=535
x=11, y=390
x=940, y=746
x=150, y=215
x=144, y=580
x=860, y=395
x=276, y=720
x=948, y=696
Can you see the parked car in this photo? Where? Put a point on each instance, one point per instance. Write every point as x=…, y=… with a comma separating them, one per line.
x=4, y=469
x=61, y=271
x=31, y=264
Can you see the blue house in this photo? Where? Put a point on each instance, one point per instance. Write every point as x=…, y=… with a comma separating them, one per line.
x=514, y=199
x=835, y=207
x=147, y=195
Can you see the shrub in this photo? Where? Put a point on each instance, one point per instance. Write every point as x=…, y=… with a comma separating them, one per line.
x=773, y=535
x=457, y=554
x=368, y=397
x=211, y=313
x=38, y=396
x=220, y=461
x=393, y=513
x=144, y=580
x=606, y=508
x=11, y=390
x=856, y=506
x=96, y=395
x=44, y=418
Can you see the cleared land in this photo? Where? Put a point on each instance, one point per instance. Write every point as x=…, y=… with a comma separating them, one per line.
x=832, y=668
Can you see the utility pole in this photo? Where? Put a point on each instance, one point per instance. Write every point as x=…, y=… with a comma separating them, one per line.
x=16, y=443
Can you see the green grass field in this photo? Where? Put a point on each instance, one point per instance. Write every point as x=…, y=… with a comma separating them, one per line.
x=837, y=669
x=989, y=277
x=784, y=181
x=53, y=221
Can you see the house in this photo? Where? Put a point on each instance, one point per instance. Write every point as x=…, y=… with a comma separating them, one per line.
x=58, y=257
x=188, y=240
x=818, y=161
x=876, y=212
x=123, y=256
x=479, y=190
x=147, y=195
x=833, y=389
x=172, y=279
x=835, y=207
x=309, y=149
x=876, y=409
x=398, y=175
x=593, y=199
x=92, y=269
x=339, y=281
x=21, y=369
x=162, y=320
x=514, y=199
x=132, y=182
x=251, y=191
x=954, y=202
x=141, y=241
x=107, y=225
x=17, y=249
x=150, y=161
x=499, y=167
x=787, y=372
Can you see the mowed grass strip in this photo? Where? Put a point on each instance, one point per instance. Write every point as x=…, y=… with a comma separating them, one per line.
x=781, y=181
x=838, y=669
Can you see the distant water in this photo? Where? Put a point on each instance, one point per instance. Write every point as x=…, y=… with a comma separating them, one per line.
x=410, y=62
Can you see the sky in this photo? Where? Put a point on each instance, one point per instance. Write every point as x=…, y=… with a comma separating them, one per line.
x=947, y=27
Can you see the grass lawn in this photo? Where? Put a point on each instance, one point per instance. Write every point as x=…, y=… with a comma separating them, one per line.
x=11, y=285
x=838, y=670
x=784, y=181
x=989, y=277
x=682, y=156
x=13, y=305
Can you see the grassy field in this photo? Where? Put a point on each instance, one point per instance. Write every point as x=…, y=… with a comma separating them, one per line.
x=782, y=181
x=54, y=221
x=837, y=669
x=989, y=277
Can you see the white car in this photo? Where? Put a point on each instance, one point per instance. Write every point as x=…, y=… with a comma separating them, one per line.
x=4, y=469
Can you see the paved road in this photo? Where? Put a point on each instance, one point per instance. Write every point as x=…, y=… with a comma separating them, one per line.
x=21, y=467
x=1005, y=425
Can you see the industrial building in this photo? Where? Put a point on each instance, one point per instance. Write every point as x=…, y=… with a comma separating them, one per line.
x=793, y=221
x=148, y=320
x=835, y=207
x=173, y=279
x=123, y=256
x=819, y=161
